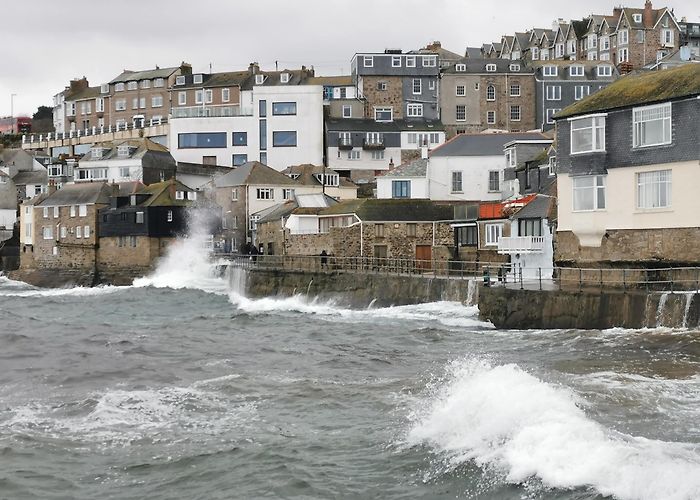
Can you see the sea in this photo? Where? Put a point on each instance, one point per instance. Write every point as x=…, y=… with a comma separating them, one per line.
x=181, y=387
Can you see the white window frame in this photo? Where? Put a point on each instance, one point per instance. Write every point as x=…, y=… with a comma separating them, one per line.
x=515, y=108
x=514, y=67
x=515, y=90
x=581, y=91
x=384, y=110
x=604, y=70
x=491, y=68
x=550, y=114
x=429, y=61
x=78, y=231
x=197, y=78
x=549, y=70
x=119, y=87
x=182, y=98
x=354, y=155
x=157, y=101
x=132, y=85
x=368, y=61
x=348, y=108
x=417, y=84
x=660, y=113
x=576, y=70
x=497, y=180
x=460, y=90
x=158, y=82
x=414, y=110
x=456, y=181
x=86, y=231
x=623, y=37
x=145, y=84
x=493, y=232
x=395, y=61
x=82, y=210
x=410, y=61
x=225, y=95
x=460, y=68
x=491, y=92
x=654, y=189
x=597, y=122
x=598, y=195
x=491, y=117
x=180, y=80
x=458, y=108
x=553, y=92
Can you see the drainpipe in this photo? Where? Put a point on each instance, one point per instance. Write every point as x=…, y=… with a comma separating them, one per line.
x=362, y=253
x=433, y=233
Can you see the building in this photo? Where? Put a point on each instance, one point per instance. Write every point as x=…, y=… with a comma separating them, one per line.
x=470, y=167
x=228, y=119
x=124, y=161
x=339, y=96
x=408, y=180
x=27, y=171
x=690, y=36
x=323, y=179
x=8, y=206
x=627, y=173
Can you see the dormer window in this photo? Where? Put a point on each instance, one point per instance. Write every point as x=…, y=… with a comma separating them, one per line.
x=461, y=68
x=637, y=18
x=123, y=151
x=368, y=61
x=259, y=79
x=119, y=87
x=158, y=82
x=197, y=79
x=510, y=157
x=514, y=67
x=491, y=68
x=180, y=80
x=179, y=195
x=576, y=70
x=104, y=88
x=132, y=85
x=145, y=84
x=284, y=78
x=96, y=153
x=604, y=70
x=328, y=179
x=549, y=70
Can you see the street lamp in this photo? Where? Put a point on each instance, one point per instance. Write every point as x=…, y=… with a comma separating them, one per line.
x=12, y=113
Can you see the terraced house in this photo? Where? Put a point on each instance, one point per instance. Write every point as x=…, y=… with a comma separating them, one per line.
x=628, y=173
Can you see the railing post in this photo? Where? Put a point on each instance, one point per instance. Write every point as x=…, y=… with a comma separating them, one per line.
x=520, y=270
x=624, y=281
x=601, y=279
x=580, y=279
x=539, y=271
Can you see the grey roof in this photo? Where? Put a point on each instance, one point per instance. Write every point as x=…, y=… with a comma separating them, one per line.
x=369, y=125
x=201, y=169
x=253, y=172
x=276, y=212
x=141, y=147
x=478, y=66
x=473, y=52
x=87, y=193
x=306, y=175
x=149, y=74
x=392, y=210
x=88, y=93
x=539, y=207
x=415, y=168
x=482, y=144
x=33, y=177
x=8, y=194
x=226, y=79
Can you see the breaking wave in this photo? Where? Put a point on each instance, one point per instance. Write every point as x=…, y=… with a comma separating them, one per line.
x=504, y=419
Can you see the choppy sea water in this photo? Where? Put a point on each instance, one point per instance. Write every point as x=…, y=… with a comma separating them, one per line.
x=179, y=387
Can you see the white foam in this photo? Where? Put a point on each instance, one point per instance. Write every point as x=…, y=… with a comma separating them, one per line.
x=507, y=419
x=60, y=292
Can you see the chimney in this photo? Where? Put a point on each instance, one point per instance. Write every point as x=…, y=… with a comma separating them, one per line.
x=391, y=164
x=433, y=46
x=185, y=68
x=52, y=187
x=648, y=15
x=617, y=12
x=254, y=68
x=78, y=84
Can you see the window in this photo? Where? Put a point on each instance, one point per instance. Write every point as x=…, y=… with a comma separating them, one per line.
x=604, y=70
x=56, y=212
x=549, y=70
x=652, y=125
x=381, y=85
x=654, y=189
x=234, y=194
x=553, y=92
x=225, y=95
x=347, y=111
x=262, y=108
x=461, y=90
x=589, y=193
x=511, y=157
x=47, y=232
x=284, y=139
x=284, y=108
x=378, y=155
x=552, y=170
x=86, y=231
x=515, y=90
x=588, y=134
x=139, y=217
x=263, y=158
x=202, y=140
x=395, y=61
x=667, y=37
x=46, y=212
x=514, y=67
x=604, y=43
x=179, y=195
x=104, y=88
x=457, y=181
x=493, y=233
x=239, y=159
x=120, y=104
x=240, y=138
x=181, y=98
x=287, y=193
x=622, y=37
x=413, y=110
x=383, y=114
x=429, y=61
x=265, y=194
x=99, y=105
x=417, y=86
x=158, y=82
x=530, y=227
x=550, y=114
x=132, y=86
x=119, y=87
x=379, y=230
x=411, y=228
x=284, y=78
x=581, y=91
x=145, y=84
x=132, y=241
x=467, y=236
x=400, y=189
x=494, y=181
x=82, y=210
x=571, y=49
x=125, y=172
x=410, y=61
x=135, y=103
x=72, y=210
x=491, y=68
x=64, y=231
x=196, y=79
x=491, y=117
x=461, y=68
x=78, y=231
x=515, y=113
x=490, y=93
x=368, y=61
x=535, y=53
x=170, y=216
x=199, y=96
x=354, y=154
x=259, y=79
x=637, y=18
x=576, y=70
x=157, y=101
x=461, y=113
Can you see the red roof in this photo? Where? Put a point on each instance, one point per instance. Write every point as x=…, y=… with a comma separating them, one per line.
x=503, y=209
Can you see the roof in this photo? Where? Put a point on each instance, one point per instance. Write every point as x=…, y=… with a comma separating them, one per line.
x=415, y=168
x=31, y=177
x=580, y=28
x=538, y=207
x=161, y=194
x=253, y=172
x=141, y=147
x=303, y=204
x=640, y=88
x=331, y=81
x=392, y=210
x=88, y=93
x=86, y=193
x=276, y=212
x=369, y=125
x=225, y=79
x=307, y=175
x=272, y=78
x=201, y=169
x=502, y=209
x=149, y=74
x=482, y=144
x=478, y=66
x=475, y=52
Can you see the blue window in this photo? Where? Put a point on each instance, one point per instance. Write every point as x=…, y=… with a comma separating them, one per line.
x=284, y=108
x=284, y=139
x=263, y=158
x=263, y=134
x=202, y=140
x=240, y=138
x=239, y=160
x=327, y=93
x=262, y=108
x=400, y=189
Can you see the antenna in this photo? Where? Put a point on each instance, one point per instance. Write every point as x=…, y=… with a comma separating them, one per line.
x=276, y=68
x=210, y=68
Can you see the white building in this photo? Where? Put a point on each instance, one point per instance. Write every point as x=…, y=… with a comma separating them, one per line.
x=405, y=181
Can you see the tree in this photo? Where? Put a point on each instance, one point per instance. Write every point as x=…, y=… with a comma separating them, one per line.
x=43, y=112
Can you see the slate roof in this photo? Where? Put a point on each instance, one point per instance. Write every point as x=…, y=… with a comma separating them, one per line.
x=307, y=171
x=225, y=79
x=392, y=210
x=482, y=144
x=142, y=146
x=640, y=88
x=31, y=177
x=369, y=125
x=86, y=193
x=478, y=66
x=475, y=52
x=415, y=168
x=253, y=172
x=149, y=74
x=331, y=81
x=88, y=93
x=538, y=207
x=160, y=194
x=580, y=28
x=200, y=169
x=272, y=78
x=590, y=71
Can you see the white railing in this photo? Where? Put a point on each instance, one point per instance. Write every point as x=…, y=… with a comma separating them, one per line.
x=520, y=244
x=210, y=111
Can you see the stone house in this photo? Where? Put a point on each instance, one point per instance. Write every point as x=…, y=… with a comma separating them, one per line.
x=323, y=179
x=627, y=173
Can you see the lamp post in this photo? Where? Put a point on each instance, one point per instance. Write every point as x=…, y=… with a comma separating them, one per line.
x=12, y=113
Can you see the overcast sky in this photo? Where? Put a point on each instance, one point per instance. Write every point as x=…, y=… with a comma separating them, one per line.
x=47, y=42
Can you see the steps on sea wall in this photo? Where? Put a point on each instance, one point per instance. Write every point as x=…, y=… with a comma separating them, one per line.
x=525, y=309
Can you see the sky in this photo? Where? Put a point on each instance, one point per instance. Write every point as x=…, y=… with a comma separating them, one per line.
x=51, y=42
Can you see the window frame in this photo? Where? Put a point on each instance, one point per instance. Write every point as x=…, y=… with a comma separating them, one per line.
x=493, y=231
x=401, y=188
x=283, y=143
x=597, y=187
x=456, y=181
x=667, y=125
x=657, y=184
x=463, y=108
x=595, y=125
x=287, y=108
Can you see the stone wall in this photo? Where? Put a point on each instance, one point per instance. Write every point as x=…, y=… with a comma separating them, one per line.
x=391, y=97
x=501, y=105
x=632, y=248
x=141, y=255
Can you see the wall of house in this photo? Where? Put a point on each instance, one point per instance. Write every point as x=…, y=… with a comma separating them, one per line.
x=536, y=264
x=449, y=101
x=501, y=105
x=357, y=108
x=391, y=97
x=475, y=177
x=419, y=187
x=111, y=257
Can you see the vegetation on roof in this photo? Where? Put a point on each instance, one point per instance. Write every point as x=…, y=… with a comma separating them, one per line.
x=640, y=88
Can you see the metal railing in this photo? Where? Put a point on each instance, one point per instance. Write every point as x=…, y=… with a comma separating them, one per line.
x=520, y=244
x=211, y=111
x=92, y=131
x=490, y=273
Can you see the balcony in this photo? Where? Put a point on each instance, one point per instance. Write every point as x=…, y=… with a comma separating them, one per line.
x=373, y=143
x=520, y=244
x=344, y=143
x=210, y=112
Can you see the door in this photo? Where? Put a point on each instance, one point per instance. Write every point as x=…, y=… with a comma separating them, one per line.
x=380, y=253
x=424, y=255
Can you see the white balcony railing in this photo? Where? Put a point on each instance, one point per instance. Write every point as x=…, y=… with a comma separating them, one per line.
x=520, y=244
x=210, y=111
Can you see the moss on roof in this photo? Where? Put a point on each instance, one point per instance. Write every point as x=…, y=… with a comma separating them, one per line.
x=392, y=210
x=640, y=88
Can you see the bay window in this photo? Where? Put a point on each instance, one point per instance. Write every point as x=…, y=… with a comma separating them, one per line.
x=588, y=134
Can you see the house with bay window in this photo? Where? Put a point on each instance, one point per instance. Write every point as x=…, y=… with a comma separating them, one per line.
x=628, y=172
